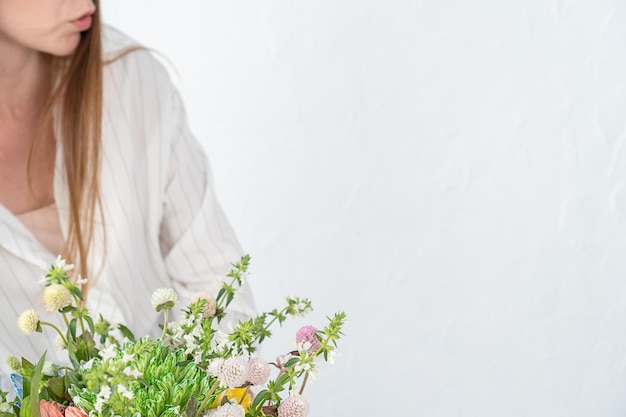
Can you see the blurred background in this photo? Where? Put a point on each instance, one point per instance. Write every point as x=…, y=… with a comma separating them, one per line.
x=450, y=173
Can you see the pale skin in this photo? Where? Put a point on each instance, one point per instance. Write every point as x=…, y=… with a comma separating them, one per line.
x=27, y=28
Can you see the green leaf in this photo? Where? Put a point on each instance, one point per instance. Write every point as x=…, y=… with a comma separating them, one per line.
x=34, y=387
x=126, y=332
x=71, y=352
x=291, y=362
x=72, y=329
x=25, y=411
x=165, y=306
x=67, y=309
x=77, y=293
x=89, y=321
x=57, y=386
x=71, y=378
x=260, y=398
x=282, y=380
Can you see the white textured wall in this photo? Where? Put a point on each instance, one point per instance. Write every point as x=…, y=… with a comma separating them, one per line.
x=451, y=173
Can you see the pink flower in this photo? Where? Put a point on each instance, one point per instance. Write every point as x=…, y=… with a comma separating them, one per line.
x=233, y=372
x=293, y=406
x=74, y=412
x=53, y=409
x=210, y=305
x=307, y=334
x=47, y=409
x=258, y=371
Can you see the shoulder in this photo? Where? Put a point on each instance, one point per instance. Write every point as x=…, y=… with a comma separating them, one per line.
x=115, y=42
x=129, y=63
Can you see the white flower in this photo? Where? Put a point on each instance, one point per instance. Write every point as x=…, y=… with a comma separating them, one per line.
x=303, y=367
x=191, y=340
x=303, y=347
x=61, y=264
x=88, y=364
x=102, y=398
x=214, y=367
x=131, y=372
x=50, y=369
x=258, y=371
x=234, y=372
x=228, y=410
x=125, y=392
x=108, y=352
x=220, y=342
x=59, y=343
x=6, y=408
x=128, y=357
x=81, y=281
x=55, y=297
x=99, y=404
x=164, y=298
x=105, y=392
x=28, y=321
x=331, y=357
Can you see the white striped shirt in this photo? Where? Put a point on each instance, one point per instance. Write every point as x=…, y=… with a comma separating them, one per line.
x=164, y=227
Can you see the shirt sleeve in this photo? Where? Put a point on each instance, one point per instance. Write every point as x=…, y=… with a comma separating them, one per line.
x=197, y=242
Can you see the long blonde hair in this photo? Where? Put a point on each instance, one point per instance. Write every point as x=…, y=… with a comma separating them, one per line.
x=73, y=104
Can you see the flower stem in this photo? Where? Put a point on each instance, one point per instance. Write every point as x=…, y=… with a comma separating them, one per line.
x=243, y=397
x=67, y=323
x=165, y=314
x=55, y=328
x=205, y=402
x=306, y=376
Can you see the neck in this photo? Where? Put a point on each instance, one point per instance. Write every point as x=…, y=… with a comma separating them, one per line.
x=21, y=81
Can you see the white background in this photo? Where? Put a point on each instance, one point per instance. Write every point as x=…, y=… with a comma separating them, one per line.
x=452, y=174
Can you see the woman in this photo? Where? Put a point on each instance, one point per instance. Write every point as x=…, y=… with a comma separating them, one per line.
x=97, y=164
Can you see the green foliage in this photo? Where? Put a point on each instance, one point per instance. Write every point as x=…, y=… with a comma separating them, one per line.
x=169, y=376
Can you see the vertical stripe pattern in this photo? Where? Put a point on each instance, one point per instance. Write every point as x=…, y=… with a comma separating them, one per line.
x=163, y=224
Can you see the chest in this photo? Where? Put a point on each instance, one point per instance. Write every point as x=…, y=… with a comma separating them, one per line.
x=26, y=178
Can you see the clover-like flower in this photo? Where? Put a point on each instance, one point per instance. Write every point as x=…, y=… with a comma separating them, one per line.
x=28, y=322
x=210, y=305
x=15, y=364
x=55, y=297
x=307, y=334
x=234, y=372
x=293, y=406
x=164, y=298
x=258, y=371
x=228, y=410
x=215, y=367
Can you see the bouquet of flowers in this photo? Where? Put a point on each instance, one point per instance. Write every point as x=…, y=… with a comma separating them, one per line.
x=193, y=369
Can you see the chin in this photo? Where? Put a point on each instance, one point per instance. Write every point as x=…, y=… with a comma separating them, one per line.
x=65, y=47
